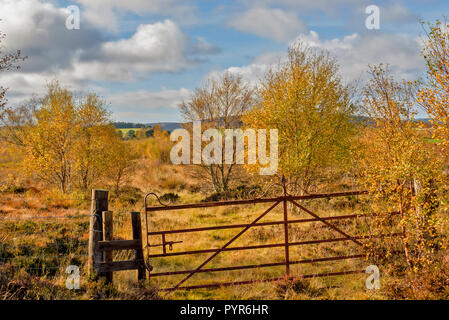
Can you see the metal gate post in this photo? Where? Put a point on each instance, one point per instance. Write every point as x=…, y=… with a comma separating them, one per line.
x=287, y=255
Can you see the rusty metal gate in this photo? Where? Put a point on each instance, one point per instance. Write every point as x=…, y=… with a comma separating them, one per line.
x=276, y=201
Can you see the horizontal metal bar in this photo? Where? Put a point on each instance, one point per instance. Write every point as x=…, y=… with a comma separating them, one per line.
x=227, y=284
x=252, y=201
x=233, y=226
x=264, y=246
x=253, y=266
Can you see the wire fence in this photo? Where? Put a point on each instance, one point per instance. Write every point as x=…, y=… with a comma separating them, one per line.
x=44, y=244
x=47, y=244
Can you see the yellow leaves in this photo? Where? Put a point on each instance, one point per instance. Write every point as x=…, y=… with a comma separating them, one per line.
x=306, y=101
x=434, y=95
x=394, y=160
x=68, y=143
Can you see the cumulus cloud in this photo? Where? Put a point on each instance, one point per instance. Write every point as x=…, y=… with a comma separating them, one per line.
x=78, y=57
x=397, y=14
x=201, y=46
x=84, y=60
x=146, y=100
x=107, y=13
x=39, y=30
x=254, y=72
x=348, y=13
x=147, y=105
x=307, y=7
x=159, y=47
x=353, y=53
x=270, y=23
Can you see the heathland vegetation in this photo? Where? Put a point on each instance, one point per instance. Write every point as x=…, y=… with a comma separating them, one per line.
x=333, y=136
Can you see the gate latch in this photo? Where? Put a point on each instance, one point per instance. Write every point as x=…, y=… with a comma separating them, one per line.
x=165, y=243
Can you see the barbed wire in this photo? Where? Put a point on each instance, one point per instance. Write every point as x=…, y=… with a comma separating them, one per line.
x=44, y=217
x=60, y=266
x=53, y=253
x=63, y=247
x=69, y=255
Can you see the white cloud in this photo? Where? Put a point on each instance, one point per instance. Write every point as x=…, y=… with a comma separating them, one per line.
x=77, y=57
x=397, y=14
x=38, y=29
x=147, y=100
x=146, y=105
x=348, y=13
x=22, y=86
x=252, y=73
x=201, y=46
x=353, y=53
x=270, y=23
x=329, y=7
x=107, y=13
x=159, y=47
x=255, y=72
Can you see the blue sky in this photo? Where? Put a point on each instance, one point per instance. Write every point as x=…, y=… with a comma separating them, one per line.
x=145, y=56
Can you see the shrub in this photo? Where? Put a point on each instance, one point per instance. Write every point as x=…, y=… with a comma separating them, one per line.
x=170, y=197
x=239, y=192
x=172, y=183
x=11, y=188
x=130, y=195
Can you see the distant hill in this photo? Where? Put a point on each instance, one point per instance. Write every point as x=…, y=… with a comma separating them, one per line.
x=127, y=125
x=168, y=126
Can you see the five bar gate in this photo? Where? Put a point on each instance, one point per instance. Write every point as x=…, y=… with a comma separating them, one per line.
x=281, y=200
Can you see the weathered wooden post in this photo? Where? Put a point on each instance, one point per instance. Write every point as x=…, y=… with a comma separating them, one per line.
x=108, y=231
x=99, y=203
x=137, y=235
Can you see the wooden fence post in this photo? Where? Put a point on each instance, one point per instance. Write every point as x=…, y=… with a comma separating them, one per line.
x=137, y=235
x=108, y=231
x=99, y=203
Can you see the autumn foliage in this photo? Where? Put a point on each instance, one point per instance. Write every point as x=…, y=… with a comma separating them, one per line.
x=400, y=169
x=67, y=142
x=307, y=101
